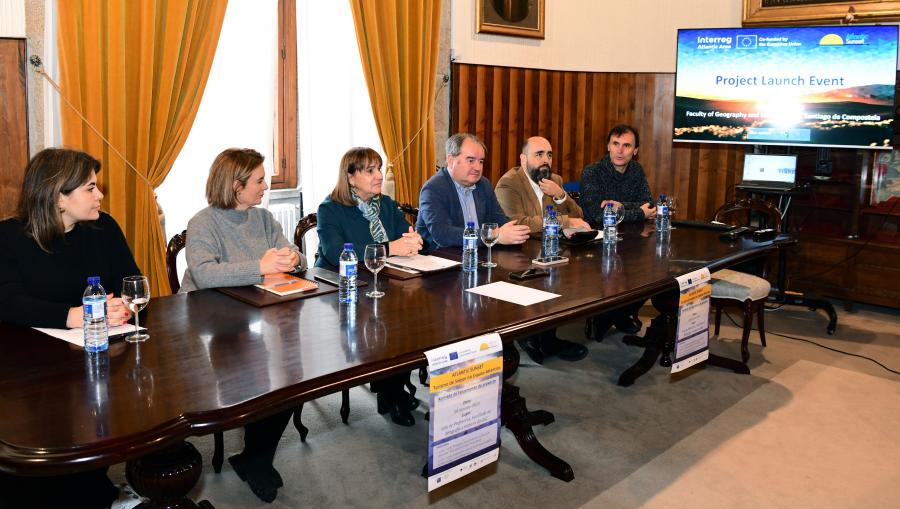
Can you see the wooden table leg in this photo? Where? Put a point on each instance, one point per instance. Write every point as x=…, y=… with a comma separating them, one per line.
x=659, y=341
x=166, y=477
x=516, y=416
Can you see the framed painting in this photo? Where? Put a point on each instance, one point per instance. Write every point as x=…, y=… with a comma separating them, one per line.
x=818, y=12
x=520, y=18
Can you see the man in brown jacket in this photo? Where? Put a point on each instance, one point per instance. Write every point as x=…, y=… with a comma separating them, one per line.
x=525, y=191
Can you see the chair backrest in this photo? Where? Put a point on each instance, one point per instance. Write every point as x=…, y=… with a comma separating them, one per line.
x=411, y=212
x=305, y=224
x=175, y=245
x=739, y=213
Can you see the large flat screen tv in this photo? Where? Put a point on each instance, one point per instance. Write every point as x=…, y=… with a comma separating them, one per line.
x=825, y=86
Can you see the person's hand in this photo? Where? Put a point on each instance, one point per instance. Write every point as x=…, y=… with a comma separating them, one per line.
x=578, y=223
x=615, y=204
x=275, y=261
x=512, y=233
x=116, y=311
x=648, y=210
x=552, y=189
x=407, y=245
x=75, y=318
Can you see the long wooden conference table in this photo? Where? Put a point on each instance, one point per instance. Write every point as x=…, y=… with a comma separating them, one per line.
x=213, y=363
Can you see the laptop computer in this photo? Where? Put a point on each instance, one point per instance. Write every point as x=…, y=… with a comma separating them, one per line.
x=769, y=172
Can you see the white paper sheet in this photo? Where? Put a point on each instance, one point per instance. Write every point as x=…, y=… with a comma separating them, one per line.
x=76, y=336
x=422, y=263
x=521, y=295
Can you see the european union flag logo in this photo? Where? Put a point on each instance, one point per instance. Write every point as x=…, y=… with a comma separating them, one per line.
x=454, y=356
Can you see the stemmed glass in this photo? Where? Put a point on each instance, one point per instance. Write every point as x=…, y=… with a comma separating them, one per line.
x=490, y=233
x=673, y=206
x=374, y=258
x=620, y=216
x=136, y=295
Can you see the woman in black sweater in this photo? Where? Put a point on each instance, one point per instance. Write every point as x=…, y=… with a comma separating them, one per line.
x=57, y=240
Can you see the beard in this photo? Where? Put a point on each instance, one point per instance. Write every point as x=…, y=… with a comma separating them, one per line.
x=539, y=173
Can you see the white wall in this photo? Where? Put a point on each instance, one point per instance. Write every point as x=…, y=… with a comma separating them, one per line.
x=593, y=35
x=12, y=18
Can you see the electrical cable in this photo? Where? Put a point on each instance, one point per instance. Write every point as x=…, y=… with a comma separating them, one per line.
x=896, y=372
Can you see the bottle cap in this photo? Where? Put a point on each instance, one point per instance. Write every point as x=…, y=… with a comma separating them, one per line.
x=94, y=280
x=549, y=208
x=470, y=224
x=348, y=245
x=662, y=197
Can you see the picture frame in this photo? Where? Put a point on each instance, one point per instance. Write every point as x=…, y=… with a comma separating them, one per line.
x=519, y=18
x=818, y=12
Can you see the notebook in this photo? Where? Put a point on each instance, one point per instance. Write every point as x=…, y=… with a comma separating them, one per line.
x=772, y=172
x=286, y=284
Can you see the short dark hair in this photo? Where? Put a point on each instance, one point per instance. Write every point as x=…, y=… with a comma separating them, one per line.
x=621, y=129
x=454, y=143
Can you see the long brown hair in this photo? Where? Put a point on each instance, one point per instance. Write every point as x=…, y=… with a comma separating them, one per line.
x=356, y=159
x=51, y=172
x=232, y=165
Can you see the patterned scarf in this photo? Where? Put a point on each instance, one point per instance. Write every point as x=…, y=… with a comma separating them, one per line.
x=370, y=211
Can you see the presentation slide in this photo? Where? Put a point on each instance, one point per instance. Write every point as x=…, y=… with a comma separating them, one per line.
x=820, y=86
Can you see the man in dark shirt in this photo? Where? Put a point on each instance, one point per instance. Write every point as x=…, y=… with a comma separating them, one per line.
x=617, y=178
x=620, y=180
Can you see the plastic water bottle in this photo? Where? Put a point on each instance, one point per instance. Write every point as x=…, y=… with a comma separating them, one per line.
x=550, y=239
x=610, y=232
x=96, y=332
x=347, y=283
x=662, y=214
x=470, y=248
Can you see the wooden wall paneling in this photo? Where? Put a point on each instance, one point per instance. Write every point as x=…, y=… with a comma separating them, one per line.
x=13, y=123
x=575, y=110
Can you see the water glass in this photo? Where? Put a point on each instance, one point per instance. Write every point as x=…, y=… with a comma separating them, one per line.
x=490, y=234
x=374, y=259
x=136, y=296
x=620, y=216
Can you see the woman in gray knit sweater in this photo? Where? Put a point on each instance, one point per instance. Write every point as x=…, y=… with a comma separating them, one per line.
x=233, y=243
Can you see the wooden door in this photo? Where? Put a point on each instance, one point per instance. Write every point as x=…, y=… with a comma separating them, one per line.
x=13, y=123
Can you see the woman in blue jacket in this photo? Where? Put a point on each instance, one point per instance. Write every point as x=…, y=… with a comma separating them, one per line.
x=357, y=212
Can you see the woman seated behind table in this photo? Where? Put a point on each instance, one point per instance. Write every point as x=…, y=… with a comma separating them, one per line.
x=357, y=212
x=233, y=243
x=57, y=240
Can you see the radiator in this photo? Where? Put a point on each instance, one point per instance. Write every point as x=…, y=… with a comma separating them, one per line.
x=287, y=214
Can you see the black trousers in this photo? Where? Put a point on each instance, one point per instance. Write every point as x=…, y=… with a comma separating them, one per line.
x=261, y=437
x=390, y=384
x=82, y=490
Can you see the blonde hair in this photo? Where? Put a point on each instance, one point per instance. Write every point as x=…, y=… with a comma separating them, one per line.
x=354, y=160
x=232, y=165
x=50, y=173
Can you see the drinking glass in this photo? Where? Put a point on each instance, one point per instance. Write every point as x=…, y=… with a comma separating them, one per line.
x=620, y=216
x=374, y=258
x=673, y=206
x=136, y=295
x=490, y=234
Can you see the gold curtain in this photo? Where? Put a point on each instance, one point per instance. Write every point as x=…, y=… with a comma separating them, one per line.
x=398, y=46
x=136, y=70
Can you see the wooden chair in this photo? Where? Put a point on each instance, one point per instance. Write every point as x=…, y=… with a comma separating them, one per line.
x=412, y=213
x=730, y=287
x=305, y=224
x=175, y=245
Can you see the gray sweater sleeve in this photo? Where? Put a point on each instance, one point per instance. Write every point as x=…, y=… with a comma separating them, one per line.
x=205, y=262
